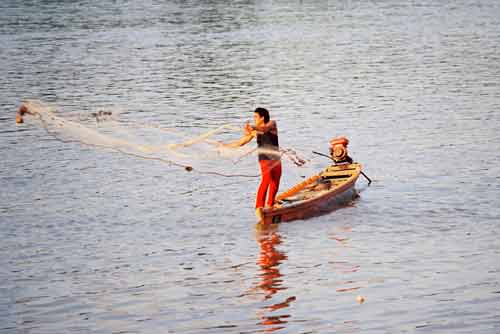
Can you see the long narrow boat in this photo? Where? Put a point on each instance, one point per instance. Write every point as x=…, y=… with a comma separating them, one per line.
x=320, y=194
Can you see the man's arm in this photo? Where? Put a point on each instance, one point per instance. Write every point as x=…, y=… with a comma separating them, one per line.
x=242, y=141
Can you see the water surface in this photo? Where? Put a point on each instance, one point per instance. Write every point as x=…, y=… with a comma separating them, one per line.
x=95, y=241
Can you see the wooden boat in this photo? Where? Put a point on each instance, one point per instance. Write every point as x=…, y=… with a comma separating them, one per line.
x=319, y=194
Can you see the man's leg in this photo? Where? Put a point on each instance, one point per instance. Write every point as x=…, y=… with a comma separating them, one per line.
x=264, y=184
x=274, y=182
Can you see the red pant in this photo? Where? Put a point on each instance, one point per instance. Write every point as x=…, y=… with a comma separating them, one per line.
x=271, y=175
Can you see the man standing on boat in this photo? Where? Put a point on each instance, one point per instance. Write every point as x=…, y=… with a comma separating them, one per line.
x=266, y=132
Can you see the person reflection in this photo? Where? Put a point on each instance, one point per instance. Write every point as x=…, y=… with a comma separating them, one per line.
x=271, y=280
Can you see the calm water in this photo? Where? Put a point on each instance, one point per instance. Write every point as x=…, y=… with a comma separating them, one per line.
x=93, y=241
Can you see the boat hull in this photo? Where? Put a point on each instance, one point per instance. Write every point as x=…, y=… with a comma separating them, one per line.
x=317, y=206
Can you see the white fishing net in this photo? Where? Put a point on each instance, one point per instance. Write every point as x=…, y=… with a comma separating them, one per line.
x=194, y=149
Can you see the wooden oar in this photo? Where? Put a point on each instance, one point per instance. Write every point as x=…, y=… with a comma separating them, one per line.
x=298, y=187
x=329, y=157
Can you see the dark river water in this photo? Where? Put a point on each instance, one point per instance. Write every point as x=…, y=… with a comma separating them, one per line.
x=97, y=241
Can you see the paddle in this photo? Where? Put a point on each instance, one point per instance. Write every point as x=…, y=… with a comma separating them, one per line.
x=329, y=157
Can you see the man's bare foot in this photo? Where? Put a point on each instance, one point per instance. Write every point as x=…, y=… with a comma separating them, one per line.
x=259, y=214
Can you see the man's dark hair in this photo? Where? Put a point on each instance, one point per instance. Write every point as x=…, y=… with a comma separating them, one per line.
x=263, y=113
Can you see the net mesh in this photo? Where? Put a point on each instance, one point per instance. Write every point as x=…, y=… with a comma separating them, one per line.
x=187, y=147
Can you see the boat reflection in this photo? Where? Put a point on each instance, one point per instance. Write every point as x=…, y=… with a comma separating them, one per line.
x=271, y=279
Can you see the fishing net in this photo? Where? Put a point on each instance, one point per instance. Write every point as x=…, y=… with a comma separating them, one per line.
x=191, y=148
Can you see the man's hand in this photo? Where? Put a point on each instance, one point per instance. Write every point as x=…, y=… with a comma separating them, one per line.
x=247, y=129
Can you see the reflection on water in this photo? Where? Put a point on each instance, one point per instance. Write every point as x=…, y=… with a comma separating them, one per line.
x=271, y=279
